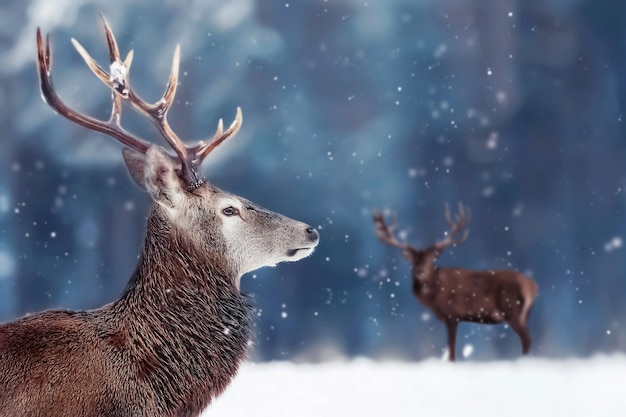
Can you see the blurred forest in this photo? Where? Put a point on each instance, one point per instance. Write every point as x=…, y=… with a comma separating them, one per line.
x=513, y=107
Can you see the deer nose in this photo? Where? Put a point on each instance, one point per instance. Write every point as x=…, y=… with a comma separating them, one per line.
x=312, y=234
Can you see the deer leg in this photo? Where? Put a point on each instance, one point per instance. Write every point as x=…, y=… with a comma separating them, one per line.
x=451, y=325
x=523, y=334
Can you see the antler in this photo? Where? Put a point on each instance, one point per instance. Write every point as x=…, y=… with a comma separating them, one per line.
x=460, y=222
x=118, y=81
x=385, y=232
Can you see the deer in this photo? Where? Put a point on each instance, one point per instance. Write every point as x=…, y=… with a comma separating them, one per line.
x=176, y=336
x=457, y=295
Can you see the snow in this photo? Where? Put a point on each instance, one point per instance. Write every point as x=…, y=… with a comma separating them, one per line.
x=118, y=73
x=118, y=78
x=613, y=244
x=525, y=387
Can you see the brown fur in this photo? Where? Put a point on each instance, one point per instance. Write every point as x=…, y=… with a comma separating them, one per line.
x=486, y=297
x=455, y=295
x=169, y=345
x=176, y=337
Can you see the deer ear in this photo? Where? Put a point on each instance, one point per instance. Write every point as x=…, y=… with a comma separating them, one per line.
x=135, y=163
x=160, y=179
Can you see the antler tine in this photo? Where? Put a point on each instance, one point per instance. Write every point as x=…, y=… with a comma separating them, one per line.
x=114, y=51
x=203, y=149
x=447, y=214
x=111, y=128
x=467, y=214
x=463, y=216
x=172, y=83
x=92, y=64
x=384, y=232
x=461, y=221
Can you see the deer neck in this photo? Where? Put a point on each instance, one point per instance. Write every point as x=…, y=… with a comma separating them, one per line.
x=424, y=271
x=186, y=326
x=424, y=277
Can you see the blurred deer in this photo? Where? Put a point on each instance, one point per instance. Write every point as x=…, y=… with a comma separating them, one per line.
x=181, y=328
x=455, y=294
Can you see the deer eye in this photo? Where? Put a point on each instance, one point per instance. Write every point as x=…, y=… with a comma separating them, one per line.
x=230, y=211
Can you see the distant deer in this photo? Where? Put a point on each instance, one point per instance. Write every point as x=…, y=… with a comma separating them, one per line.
x=181, y=328
x=455, y=294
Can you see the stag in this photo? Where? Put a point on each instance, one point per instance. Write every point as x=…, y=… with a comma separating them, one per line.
x=178, y=333
x=455, y=294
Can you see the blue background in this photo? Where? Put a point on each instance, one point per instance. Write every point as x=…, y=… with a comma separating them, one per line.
x=512, y=107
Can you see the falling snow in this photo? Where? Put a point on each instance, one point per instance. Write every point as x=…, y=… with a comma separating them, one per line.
x=613, y=244
x=380, y=111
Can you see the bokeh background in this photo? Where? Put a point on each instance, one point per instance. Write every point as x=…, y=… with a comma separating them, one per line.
x=513, y=107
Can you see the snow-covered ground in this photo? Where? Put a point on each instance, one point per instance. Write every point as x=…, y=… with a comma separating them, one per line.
x=528, y=387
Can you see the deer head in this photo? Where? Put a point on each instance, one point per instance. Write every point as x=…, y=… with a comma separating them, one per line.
x=246, y=234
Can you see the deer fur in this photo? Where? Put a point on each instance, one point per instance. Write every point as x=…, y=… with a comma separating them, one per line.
x=485, y=297
x=175, y=338
x=457, y=295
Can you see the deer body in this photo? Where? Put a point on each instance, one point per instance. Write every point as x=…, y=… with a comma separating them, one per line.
x=175, y=338
x=455, y=294
x=169, y=345
x=474, y=296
